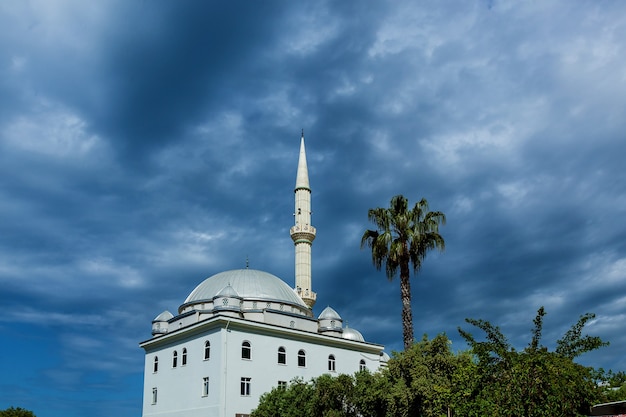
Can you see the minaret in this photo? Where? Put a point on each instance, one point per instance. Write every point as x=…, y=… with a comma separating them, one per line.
x=303, y=233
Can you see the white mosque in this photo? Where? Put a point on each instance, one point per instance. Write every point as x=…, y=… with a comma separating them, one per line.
x=241, y=333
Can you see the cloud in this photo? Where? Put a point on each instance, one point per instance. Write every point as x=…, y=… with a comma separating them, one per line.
x=147, y=146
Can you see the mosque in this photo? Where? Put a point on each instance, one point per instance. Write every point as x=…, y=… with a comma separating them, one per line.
x=242, y=332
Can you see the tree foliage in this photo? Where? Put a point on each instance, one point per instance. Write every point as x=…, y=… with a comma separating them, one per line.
x=16, y=412
x=359, y=395
x=424, y=378
x=403, y=237
x=419, y=381
x=532, y=382
x=492, y=378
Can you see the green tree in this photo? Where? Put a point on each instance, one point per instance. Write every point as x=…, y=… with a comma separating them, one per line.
x=291, y=401
x=361, y=395
x=423, y=378
x=533, y=382
x=403, y=237
x=16, y=412
x=614, y=385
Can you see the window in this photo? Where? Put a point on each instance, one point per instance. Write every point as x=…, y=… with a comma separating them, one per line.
x=331, y=363
x=154, y=395
x=245, y=386
x=362, y=366
x=301, y=358
x=282, y=384
x=175, y=359
x=205, y=386
x=282, y=356
x=246, y=351
x=155, y=367
x=207, y=350
x=184, y=358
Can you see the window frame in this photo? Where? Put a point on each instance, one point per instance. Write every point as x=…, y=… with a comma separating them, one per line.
x=207, y=350
x=183, y=358
x=362, y=365
x=205, y=386
x=282, y=356
x=154, y=395
x=246, y=386
x=332, y=363
x=301, y=358
x=175, y=359
x=246, y=350
x=155, y=365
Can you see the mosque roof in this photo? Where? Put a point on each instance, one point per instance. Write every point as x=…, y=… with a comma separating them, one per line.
x=164, y=316
x=228, y=291
x=352, y=334
x=329, y=314
x=247, y=284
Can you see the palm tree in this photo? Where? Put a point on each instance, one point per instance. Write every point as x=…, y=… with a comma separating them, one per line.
x=403, y=237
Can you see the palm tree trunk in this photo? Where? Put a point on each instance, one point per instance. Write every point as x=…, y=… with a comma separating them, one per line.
x=407, y=314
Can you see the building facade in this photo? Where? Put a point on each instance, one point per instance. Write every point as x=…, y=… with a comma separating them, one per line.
x=242, y=332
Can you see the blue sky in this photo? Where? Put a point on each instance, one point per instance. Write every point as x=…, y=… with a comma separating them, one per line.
x=147, y=145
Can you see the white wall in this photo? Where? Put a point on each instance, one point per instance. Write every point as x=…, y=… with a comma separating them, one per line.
x=180, y=388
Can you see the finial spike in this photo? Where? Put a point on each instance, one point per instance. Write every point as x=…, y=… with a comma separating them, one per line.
x=247, y=262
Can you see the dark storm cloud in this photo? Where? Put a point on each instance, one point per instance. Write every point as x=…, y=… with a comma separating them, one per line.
x=169, y=66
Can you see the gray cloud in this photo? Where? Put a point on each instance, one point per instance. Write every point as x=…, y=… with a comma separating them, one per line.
x=147, y=146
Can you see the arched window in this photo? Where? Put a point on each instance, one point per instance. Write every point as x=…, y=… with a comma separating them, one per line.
x=155, y=367
x=331, y=363
x=301, y=358
x=207, y=350
x=282, y=356
x=362, y=366
x=184, y=358
x=246, y=350
x=175, y=359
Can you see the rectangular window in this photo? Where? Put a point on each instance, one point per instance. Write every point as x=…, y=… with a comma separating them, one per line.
x=154, y=395
x=282, y=384
x=205, y=386
x=245, y=386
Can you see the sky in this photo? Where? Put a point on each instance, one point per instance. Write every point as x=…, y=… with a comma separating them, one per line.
x=146, y=145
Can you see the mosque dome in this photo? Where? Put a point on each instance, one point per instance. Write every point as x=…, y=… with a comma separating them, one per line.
x=164, y=316
x=329, y=314
x=228, y=291
x=160, y=323
x=248, y=284
x=352, y=334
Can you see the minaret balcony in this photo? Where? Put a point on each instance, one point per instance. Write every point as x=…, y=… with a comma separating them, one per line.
x=305, y=232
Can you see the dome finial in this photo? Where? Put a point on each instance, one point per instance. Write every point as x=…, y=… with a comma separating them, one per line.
x=247, y=262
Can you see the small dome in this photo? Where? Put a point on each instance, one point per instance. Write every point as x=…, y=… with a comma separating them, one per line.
x=164, y=316
x=228, y=292
x=352, y=334
x=248, y=284
x=329, y=314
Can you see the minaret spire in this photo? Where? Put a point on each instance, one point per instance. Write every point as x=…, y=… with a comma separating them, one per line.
x=303, y=233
